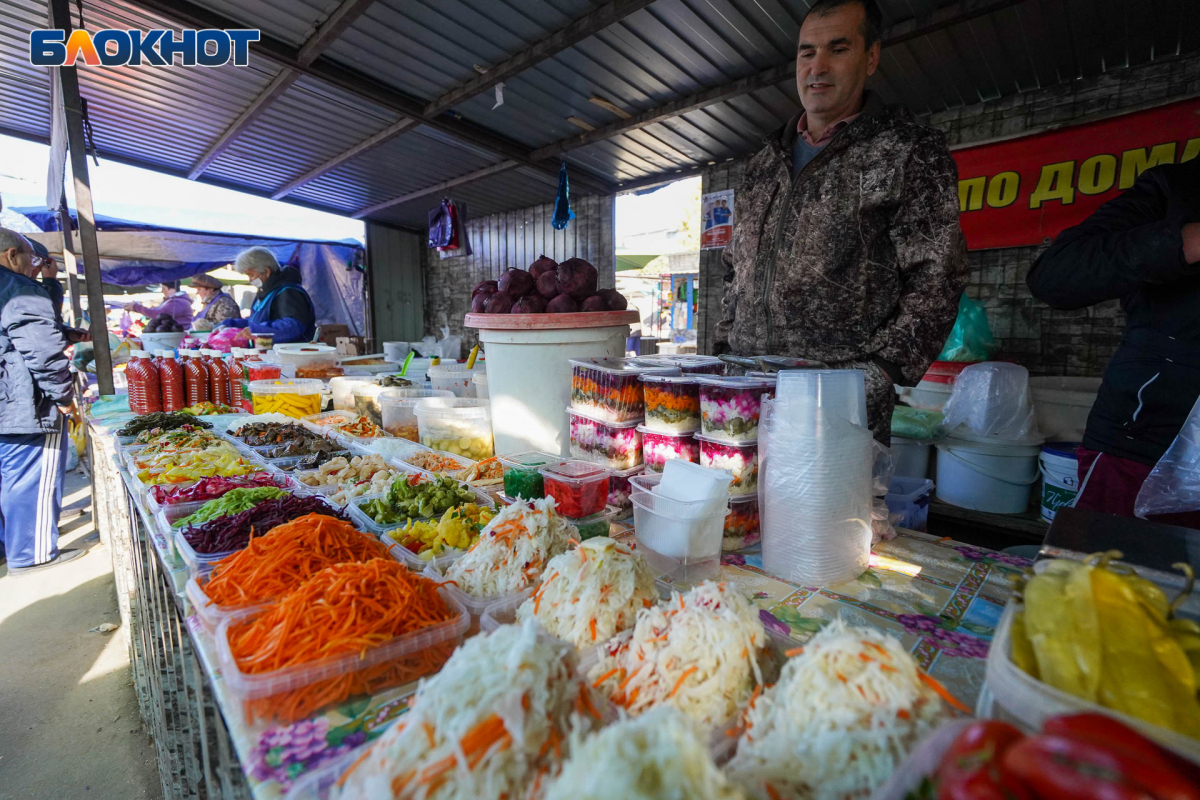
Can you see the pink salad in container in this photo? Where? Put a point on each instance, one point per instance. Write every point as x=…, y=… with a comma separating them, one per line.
x=210, y=488
x=617, y=445
x=730, y=407
x=741, y=523
x=619, y=488
x=739, y=460
x=659, y=448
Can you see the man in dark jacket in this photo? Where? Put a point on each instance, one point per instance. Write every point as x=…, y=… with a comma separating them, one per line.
x=846, y=246
x=35, y=397
x=1142, y=247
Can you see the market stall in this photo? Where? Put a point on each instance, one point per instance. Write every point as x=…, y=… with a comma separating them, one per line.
x=300, y=498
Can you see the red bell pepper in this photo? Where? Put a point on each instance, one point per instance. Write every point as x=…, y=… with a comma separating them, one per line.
x=972, y=768
x=1163, y=773
x=1059, y=768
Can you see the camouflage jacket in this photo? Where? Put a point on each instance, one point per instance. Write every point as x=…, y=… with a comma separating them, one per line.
x=858, y=262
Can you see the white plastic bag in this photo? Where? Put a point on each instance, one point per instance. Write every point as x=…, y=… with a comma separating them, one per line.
x=992, y=401
x=1173, y=486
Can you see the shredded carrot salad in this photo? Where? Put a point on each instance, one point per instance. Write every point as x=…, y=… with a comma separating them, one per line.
x=345, y=608
x=276, y=563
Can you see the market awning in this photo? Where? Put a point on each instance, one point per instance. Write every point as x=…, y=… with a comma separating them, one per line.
x=633, y=262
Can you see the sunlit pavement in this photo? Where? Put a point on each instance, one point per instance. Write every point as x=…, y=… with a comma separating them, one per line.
x=69, y=724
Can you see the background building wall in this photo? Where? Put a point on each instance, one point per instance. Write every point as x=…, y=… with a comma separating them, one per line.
x=1047, y=341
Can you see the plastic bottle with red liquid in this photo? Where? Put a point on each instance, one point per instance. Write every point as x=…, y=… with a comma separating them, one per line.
x=170, y=378
x=133, y=382
x=239, y=387
x=218, y=373
x=195, y=378
x=142, y=376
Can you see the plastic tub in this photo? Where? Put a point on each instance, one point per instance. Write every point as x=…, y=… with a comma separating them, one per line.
x=579, y=488
x=370, y=364
x=658, y=448
x=366, y=401
x=458, y=425
x=363, y=522
x=522, y=477
x=1060, y=476
x=610, y=389
x=921, y=763
x=682, y=541
x=598, y=524
x=298, y=398
x=398, y=410
x=195, y=562
x=730, y=407
x=417, y=462
x=342, y=389
x=617, y=445
x=685, y=363
x=413, y=653
x=327, y=420
x=475, y=606
x=672, y=403
x=911, y=457
x=162, y=341
x=453, y=378
x=529, y=370
x=306, y=355
x=480, y=384
x=740, y=460
x=413, y=560
x=742, y=523
x=986, y=476
x=619, y=488
x=910, y=497
x=1062, y=405
x=211, y=615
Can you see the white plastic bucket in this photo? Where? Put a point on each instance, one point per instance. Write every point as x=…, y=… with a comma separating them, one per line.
x=986, y=476
x=1060, y=476
x=529, y=381
x=911, y=457
x=1062, y=405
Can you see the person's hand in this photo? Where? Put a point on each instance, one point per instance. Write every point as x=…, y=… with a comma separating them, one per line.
x=67, y=410
x=1191, y=243
x=49, y=268
x=127, y=307
x=77, y=335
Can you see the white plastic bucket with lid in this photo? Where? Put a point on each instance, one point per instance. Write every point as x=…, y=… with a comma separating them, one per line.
x=1062, y=405
x=995, y=477
x=1060, y=476
x=911, y=457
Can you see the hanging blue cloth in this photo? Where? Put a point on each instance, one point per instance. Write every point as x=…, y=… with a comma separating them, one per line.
x=562, y=204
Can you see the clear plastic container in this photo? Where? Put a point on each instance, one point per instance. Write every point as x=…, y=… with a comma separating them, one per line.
x=686, y=363
x=461, y=426
x=298, y=398
x=479, y=380
x=610, y=389
x=321, y=783
x=366, y=401
x=579, y=488
x=672, y=403
x=211, y=615
x=195, y=562
x=613, y=444
x=327, y=420
x=343, y=391
x=598, y=524
x=454, y=378
x=730, y=407
x=413, y=655
x=475, y=606
x=398, y=413
x=619, y=488
x=681, y=541
x=739, y=459
x=658, y=448
x=741, y=523
x=427, y=459
x=522, y=477
x=364, y=522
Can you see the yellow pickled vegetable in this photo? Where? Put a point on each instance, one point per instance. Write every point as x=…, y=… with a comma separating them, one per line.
x=458, y=529
x=1022, y=650
x=293, y=405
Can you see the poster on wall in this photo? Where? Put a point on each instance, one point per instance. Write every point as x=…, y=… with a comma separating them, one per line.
x=1025, y=191
x=716, y=214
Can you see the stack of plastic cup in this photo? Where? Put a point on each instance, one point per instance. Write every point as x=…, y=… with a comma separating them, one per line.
x=815, y=478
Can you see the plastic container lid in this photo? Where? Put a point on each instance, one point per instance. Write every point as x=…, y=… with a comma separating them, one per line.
x=575, y=472
x=445, y=370
x=297, y=386
x=633, y=423
x=723, y=442
x=621, y=367
x=1064, y=449
x=683, y=360
x=530, y=458
x=654, y=377
x=466, y=408
x=747, y=382
x=669, y=434
x=625, y=473
x=400, y=397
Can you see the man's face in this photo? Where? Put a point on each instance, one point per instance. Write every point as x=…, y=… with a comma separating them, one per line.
x=833, y=61
x=19, y=259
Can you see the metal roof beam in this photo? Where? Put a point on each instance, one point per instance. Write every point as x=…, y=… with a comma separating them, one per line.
x=341, y=158
x=341, y=18
x=494, y=169
x=576, y=31
x=366, y=87
x=946, y=17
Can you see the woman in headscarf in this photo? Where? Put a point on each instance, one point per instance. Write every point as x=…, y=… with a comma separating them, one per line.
x=282, y=306
x=175, y=302
x=218, y=305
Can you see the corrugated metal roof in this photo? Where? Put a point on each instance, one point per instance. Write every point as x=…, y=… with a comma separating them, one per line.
x=657, y=54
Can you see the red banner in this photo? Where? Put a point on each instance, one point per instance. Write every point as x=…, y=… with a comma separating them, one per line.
x=1025, y=191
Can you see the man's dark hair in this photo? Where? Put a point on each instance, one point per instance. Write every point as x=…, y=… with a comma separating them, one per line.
x=872, y=29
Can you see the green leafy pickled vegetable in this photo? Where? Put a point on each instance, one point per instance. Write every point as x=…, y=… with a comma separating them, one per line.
x=234, y=501
x=405, y=501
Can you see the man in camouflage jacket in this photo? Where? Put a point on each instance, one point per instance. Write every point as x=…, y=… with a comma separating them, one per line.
x=856, y=259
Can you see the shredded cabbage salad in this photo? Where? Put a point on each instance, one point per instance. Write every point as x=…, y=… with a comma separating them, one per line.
x=495, y=722
x=842, y=717
x=591, y=592
x=656, y=756
x=513, y=549
x=697, y=651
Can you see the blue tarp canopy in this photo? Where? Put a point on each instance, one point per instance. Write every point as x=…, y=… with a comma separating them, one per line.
x=140, y=254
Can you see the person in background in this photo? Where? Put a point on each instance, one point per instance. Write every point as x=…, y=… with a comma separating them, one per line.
x=177, y=303
x=846, y=247
x=1143, y=248
x=34, y=406
x=45, y=271
x=282, y=307
x=218, y=305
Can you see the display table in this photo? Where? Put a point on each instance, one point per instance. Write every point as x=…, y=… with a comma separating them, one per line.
x=942, y=599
